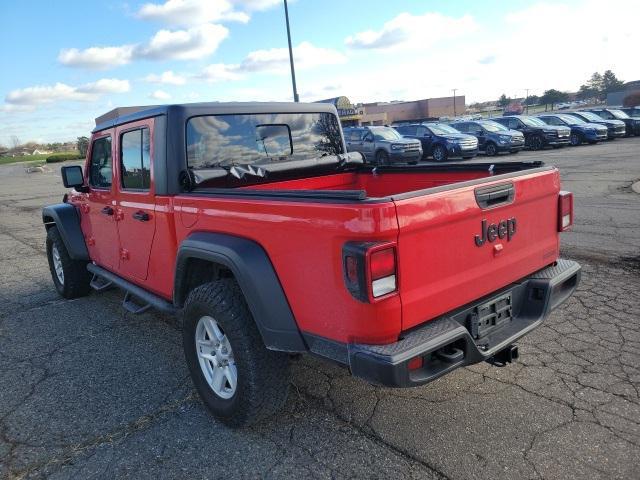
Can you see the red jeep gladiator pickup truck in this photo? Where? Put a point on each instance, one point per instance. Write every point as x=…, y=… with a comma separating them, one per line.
x=252, y=222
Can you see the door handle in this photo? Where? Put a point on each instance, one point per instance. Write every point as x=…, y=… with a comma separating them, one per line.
x=107, y=211
x=141, y=216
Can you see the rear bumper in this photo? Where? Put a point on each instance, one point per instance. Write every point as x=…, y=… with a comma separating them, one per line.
x=533, y=298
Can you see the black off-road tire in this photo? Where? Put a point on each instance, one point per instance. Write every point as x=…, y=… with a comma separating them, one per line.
x=262, y=374
x=76, y=278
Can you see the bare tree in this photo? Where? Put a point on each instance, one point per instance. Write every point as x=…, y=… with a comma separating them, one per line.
x=15, y=141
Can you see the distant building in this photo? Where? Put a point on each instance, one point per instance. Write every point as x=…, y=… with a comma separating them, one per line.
x=617, y=98
x=348, y=113
x=385, y=113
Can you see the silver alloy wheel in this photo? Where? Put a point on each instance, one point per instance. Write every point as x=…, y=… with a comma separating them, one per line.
x=57, y=264
x=216, y=357
x=438, y=154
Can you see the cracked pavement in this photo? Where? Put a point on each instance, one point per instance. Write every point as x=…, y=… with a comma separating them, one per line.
x=88, y=390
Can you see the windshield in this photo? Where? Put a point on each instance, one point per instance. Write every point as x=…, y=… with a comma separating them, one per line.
x=533, y=122
x=442, y=129
x=571, y=120
x=619, y=114
x=261, y=139
x=591, y=116
x=385, y=133
x=494, y=126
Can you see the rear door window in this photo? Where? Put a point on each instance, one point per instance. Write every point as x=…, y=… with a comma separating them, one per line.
x=135, y=159
x=100, y=168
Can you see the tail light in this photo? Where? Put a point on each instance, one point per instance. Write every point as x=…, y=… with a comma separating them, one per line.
x=565, y=211
x=370, y=270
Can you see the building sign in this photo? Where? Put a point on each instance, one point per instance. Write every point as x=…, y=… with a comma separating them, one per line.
x=346, y=110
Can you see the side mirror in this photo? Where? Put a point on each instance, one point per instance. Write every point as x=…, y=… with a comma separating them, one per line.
x=72, y=177
x=368, y=139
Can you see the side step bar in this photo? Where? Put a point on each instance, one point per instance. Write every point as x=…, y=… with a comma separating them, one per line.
x=148, y=298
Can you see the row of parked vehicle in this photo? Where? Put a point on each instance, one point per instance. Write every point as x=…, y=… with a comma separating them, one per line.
x=412, y=142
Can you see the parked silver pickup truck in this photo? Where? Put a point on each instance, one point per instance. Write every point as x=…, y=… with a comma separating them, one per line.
x=382, y=145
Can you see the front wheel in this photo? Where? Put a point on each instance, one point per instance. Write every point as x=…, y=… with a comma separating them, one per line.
x=536, y=142
x=70, y=277
x=382, y=157
x=491, y=149
x=575, y=139
x=238, y=379
x=439, y=153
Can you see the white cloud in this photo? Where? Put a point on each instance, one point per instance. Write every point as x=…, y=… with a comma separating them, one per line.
x=105, y=85
x=257, y=5
x=191, y=12
x=191, y=44
x=30, y=97
x=97, y=58
x=159, y=95
x=218, y=72
x=418, y=31
x=167, y=78
x=276, y=60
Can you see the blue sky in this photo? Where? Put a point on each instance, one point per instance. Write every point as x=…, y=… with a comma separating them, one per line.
x=67, y=62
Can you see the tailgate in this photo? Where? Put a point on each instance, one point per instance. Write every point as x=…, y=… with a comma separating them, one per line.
x=443, y=266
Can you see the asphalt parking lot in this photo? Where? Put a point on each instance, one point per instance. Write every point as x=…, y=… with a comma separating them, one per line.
x=88, y=390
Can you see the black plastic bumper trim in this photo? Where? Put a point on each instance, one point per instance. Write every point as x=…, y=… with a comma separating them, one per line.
x=533, y=299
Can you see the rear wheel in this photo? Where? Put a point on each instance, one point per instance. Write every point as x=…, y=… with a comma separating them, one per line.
x=70, y=277
x=439, y=153
x=382, y=157
x=536, y=142
x=491, y=149
x=575, y=139
x=238, y=379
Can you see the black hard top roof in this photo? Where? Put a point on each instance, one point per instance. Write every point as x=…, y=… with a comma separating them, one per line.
x=122, y=115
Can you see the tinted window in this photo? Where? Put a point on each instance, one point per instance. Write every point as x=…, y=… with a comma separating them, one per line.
x=245, y=139
x=408, y=130
x=422, y=131
x=385, y=133
x=100, y=166
x=551, y=121
x=462, y=127
x=514, y=123
x=604, y=114
x=135, y=157
x=355, y=135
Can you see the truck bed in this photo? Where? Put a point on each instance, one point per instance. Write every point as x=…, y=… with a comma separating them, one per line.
x=370, y=183
x=431, y=213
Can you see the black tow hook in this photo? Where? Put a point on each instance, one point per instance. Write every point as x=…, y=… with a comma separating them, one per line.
x=504, y=356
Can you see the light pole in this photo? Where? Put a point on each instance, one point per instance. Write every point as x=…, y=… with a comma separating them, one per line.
x=454, y=102
x=526, y=102
x=293, y=70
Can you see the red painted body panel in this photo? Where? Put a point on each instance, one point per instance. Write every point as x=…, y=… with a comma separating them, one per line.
x=439, y=265
x=441, y=268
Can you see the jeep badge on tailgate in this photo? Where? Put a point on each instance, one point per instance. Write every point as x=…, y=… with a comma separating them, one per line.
x=492, y=231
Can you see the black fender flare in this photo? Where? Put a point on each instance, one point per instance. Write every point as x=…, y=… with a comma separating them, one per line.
x=66, y=219
x=257, y=279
